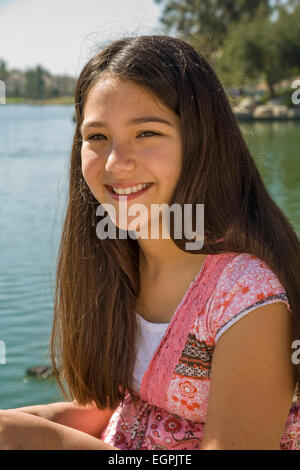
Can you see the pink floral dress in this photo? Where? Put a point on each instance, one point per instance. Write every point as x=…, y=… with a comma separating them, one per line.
x=172, y=403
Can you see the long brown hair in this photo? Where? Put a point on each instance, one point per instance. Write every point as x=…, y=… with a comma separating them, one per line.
x=97, y=281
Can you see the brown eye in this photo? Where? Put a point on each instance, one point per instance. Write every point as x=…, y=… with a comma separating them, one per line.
x=95, y=135
x=149, y=132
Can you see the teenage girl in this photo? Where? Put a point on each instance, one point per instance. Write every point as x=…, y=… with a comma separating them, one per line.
x=160, y=346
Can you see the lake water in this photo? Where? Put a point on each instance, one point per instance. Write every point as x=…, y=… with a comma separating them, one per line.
x=35, y=144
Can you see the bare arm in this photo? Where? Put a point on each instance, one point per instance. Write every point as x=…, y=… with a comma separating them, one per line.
x=87, y=419
x=252, y=382
x=24, y=431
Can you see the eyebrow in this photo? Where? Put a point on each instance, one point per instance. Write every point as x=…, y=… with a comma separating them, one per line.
x=139, y=120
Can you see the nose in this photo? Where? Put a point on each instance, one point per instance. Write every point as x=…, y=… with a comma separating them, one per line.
x=120, y=159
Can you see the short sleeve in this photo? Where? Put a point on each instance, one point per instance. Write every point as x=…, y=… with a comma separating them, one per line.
x=245, y=284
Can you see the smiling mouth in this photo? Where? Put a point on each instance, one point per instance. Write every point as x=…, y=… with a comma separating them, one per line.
x=130, y=195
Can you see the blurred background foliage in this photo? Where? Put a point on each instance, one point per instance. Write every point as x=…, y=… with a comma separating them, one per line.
x=248, y=42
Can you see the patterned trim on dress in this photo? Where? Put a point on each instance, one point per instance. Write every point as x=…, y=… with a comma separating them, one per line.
x=242, y=313
x=195, y=360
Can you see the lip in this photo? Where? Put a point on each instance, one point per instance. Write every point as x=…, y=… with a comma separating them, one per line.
x=128, y=196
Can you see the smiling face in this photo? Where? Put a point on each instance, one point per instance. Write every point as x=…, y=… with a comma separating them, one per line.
x=136, y=140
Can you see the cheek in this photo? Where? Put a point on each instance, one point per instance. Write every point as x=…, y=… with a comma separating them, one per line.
x=167, y=168
x=89, y=165
x=165, y=161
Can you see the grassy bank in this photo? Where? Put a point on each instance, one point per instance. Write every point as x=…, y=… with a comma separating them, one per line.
x=56, y=100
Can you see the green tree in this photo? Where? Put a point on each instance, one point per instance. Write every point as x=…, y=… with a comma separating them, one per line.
x=4, y=73
x=205, y=23
x=261, y=49
x=35, y=86
x=53, y=92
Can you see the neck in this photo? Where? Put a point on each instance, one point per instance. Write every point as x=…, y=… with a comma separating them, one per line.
x=162, y=256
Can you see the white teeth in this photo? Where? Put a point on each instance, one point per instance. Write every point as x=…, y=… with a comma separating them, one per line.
x=132, y=189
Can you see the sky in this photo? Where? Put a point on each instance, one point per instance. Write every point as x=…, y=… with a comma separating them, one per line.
x=61, y=35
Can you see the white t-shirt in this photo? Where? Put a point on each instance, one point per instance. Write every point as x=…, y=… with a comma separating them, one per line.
x=148, y=341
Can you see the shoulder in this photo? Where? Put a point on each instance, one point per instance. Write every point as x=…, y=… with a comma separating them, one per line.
x=252, y=374
x=247, y=266
x=245, y=284
x=253, y=381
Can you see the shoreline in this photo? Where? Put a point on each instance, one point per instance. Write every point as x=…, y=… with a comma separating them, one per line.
x=69, y=101
x=262, y=119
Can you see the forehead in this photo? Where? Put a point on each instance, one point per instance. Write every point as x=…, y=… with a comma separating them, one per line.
x=113, y=92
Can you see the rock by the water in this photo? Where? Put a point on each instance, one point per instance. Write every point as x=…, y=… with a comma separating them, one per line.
x=40, y=371
x=280, y=111
x=263, y=111
x=242, y=113
x=271, y=110
x=248, y=104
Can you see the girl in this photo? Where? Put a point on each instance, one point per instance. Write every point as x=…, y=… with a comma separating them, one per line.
x=160, y=346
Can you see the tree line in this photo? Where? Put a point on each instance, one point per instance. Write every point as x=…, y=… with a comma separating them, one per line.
x=35, y=83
